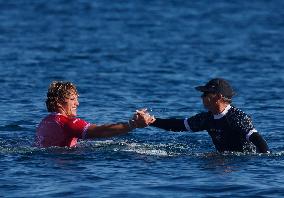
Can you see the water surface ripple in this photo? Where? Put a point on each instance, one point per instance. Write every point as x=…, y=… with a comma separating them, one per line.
x=125, y=55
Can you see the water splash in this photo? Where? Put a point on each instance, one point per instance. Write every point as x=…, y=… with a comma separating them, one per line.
x=24, y=146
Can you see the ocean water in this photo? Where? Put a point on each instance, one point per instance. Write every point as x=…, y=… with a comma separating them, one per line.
x=131, y=54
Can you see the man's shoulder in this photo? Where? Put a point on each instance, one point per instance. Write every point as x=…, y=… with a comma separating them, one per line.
x=76, y=122
x=64, y=120
x=56, y=117
x=237, y=114
x=51, y=117
x=236, y=111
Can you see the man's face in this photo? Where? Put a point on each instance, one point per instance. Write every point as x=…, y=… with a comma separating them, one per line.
x=70, y=105
x=209, y=100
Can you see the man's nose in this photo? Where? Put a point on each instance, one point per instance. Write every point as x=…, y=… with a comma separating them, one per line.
x=77, y=102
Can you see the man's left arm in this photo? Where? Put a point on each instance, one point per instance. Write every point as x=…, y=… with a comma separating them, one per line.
x=259, y=142
x=244, y=123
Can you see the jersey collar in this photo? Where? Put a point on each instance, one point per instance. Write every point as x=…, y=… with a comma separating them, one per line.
x=222, y=114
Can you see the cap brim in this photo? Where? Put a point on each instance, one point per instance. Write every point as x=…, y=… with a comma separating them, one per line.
x=202, y=88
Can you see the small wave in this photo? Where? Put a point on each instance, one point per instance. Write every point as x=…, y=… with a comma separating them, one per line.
x=145, y=149
x=276, y=154
x=238, y=154
x=131, y=146
x=154, y=149
x=17, y=150
x=148, y=152
x=12, y=127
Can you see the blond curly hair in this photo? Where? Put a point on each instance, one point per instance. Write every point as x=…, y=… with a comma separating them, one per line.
x=57, y=92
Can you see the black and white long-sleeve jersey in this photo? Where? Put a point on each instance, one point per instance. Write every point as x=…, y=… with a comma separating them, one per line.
x=231, y=130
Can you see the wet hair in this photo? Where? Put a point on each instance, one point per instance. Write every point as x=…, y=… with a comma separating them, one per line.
x=57, y=92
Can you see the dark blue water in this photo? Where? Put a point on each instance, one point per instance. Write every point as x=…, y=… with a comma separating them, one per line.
x=125, y=55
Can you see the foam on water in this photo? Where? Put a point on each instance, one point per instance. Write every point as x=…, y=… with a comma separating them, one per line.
x=120, y=146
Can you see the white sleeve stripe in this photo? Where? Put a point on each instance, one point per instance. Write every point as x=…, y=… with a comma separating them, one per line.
x=186, y=125
x=249, y=134
x=84, y=134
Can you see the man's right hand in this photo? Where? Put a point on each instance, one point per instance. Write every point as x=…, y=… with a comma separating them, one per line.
x=142, y=119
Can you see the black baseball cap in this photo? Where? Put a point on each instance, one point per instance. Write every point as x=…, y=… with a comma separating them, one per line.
x=218, y=85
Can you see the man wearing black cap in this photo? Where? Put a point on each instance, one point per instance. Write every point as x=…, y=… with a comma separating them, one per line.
x=230, y=128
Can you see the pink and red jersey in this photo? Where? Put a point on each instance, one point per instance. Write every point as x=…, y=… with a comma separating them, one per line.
x=59, y=130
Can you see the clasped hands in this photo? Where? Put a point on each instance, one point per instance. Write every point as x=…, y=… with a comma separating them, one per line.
x=141, y=119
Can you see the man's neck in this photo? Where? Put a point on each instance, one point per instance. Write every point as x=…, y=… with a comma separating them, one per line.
x=61, y=111
x=223, y=113
x=220, y=107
